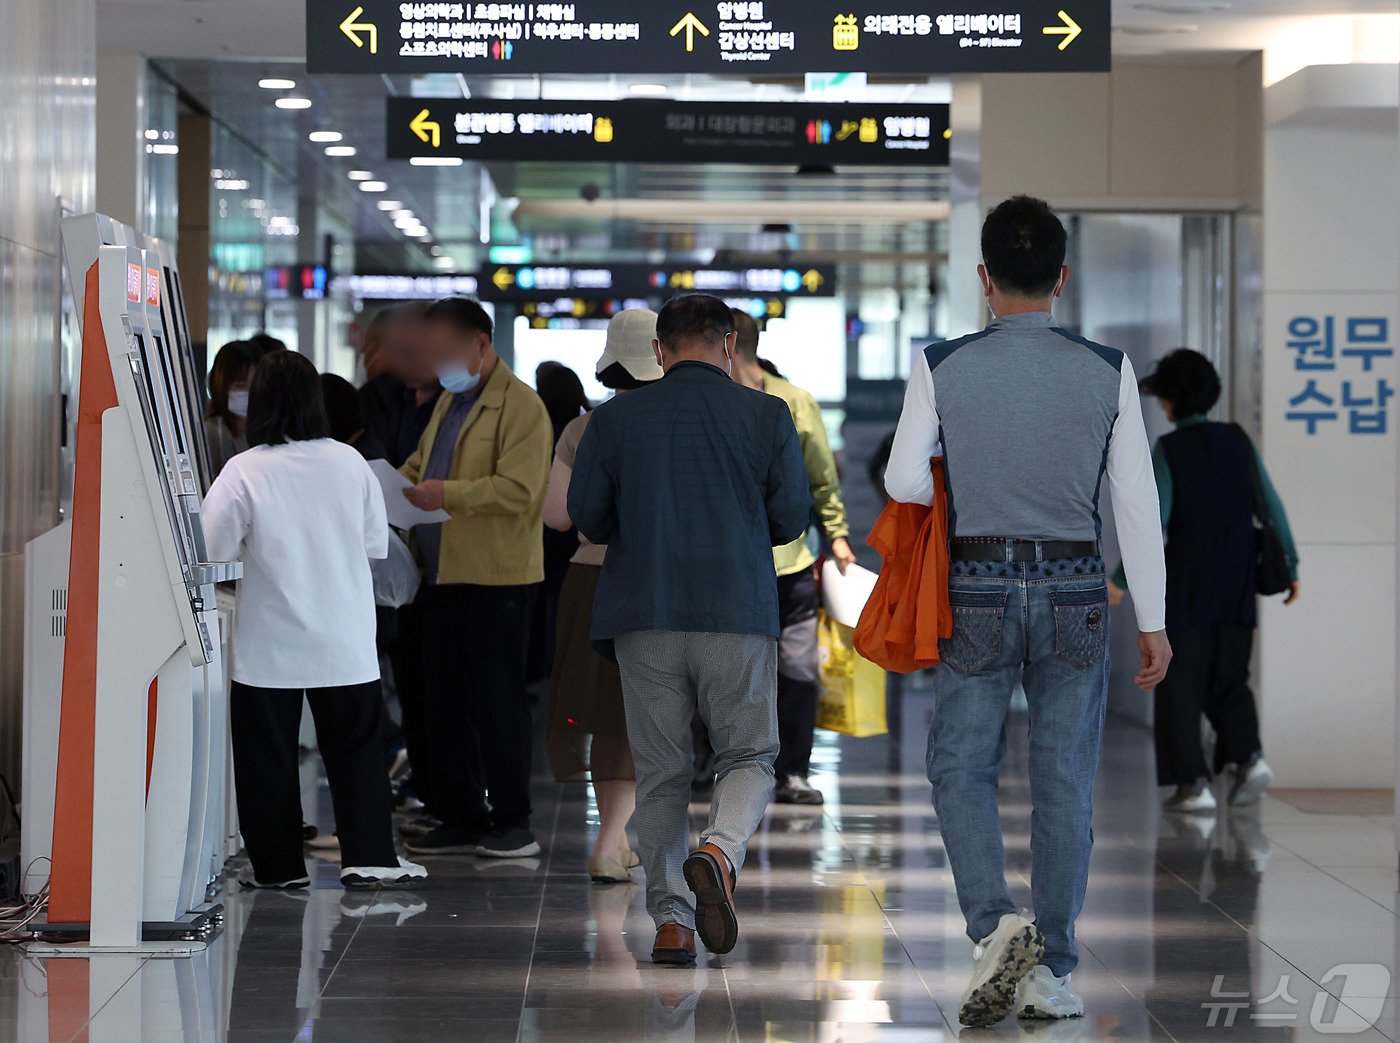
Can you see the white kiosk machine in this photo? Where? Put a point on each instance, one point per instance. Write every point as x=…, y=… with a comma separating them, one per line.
x=125, y=698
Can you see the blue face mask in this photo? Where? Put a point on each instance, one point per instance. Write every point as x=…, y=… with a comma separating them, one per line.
x=457, y=378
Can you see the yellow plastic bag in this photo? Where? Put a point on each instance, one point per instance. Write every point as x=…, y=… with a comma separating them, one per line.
x=853, y=688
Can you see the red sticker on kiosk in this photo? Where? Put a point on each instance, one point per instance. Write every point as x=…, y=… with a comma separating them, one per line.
x=133, y=283
x=153, y=287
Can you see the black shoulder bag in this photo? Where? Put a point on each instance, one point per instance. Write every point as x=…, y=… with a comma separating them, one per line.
x=1272, y=574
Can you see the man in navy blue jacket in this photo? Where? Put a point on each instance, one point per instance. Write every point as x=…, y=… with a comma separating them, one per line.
x=691, y=482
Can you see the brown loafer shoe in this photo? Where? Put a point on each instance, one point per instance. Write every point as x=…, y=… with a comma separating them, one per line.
x=674, y=945
x=707, y=874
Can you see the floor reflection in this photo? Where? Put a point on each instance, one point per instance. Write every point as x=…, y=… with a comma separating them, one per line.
x=1281, y=919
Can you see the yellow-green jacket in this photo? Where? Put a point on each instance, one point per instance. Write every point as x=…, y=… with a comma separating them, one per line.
x=500, y=470
x=821, y=474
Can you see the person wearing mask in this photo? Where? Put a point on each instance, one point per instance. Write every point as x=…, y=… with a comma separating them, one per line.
x=400, y=389
x=1030, y=420
x=691, y=483
x=305, y=515
x=1205, y=475
x=798, y=597
x=587, y=720
x=346, y=417
x=485, y=460
x=563, y=396
x=226, y=418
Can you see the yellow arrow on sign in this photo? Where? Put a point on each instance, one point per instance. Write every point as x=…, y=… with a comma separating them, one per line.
x=426, y=128
x=502, y=278
x=352, y=29
x=1070, y=30
x=691, y=25
x=812, y=280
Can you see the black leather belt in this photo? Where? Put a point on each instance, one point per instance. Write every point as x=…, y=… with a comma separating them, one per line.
x=998, y=548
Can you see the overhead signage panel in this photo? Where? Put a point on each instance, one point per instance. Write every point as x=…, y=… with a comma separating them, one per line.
x=658, y=131
x=744, y=37
x=508, y=282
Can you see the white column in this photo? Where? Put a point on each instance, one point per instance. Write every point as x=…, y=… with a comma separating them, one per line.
x=121, y=104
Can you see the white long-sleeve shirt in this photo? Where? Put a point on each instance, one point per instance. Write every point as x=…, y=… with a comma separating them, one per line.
x=1029, y=419
x=304, y=518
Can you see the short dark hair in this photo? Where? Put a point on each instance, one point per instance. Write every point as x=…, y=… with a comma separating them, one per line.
x=343, y=407
x=1187, y=380
x=465, y=315
x=285, y=401
x=693, y=316
x=263, y=343
x=746, y=343
x=1023, y=247
x=561, y=391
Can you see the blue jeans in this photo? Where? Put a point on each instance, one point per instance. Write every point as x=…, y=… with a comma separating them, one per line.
x=1046, y=622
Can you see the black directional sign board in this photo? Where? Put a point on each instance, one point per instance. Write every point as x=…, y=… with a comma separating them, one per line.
x=743, y=37
x=656, y=131
x=542, y=282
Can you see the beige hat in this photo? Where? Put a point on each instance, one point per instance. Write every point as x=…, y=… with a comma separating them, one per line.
x=630, y=334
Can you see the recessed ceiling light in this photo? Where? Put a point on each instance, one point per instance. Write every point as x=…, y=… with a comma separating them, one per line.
x=407, y=222
x=437, y=161
x=389, y=204
x=648, y=88
x=340, y=151
x=444, y=262
x=360, y=175
x=325, y=135
x=293, y=103
x=373, y=186
x=417, y=233
x=403, y=215
x=275, y=83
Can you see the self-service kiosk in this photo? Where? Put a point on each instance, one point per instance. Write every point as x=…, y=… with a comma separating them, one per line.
x=125, y=683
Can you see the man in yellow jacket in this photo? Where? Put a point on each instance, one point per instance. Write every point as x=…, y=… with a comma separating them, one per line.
x=484, y=458
x=797, y=581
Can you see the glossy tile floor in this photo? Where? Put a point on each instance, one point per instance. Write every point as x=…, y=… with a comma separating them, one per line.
x=1249, y=924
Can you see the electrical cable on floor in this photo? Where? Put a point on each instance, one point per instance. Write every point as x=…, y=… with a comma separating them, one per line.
x=15, y=919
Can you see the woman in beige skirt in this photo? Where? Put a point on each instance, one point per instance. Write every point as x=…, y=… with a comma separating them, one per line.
x=587, y=724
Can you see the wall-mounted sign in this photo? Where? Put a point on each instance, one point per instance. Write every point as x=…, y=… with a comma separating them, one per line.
x=406, y=287
x=508, y=282
x=745, y=37
x=658, y=131
x=307, y=282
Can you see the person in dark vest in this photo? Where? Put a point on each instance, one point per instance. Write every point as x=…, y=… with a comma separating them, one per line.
x=1205, y=481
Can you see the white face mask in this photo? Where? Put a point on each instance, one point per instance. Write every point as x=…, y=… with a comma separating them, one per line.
x=238, y=403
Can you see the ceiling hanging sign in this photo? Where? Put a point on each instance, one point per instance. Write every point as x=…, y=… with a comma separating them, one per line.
x=659, y=131
x=743, y=37
x=512, y=282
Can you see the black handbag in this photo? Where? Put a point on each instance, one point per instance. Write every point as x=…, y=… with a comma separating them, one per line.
x=1272, y=573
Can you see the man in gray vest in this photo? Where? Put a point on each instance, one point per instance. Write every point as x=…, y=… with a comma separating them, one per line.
x=1029, y=418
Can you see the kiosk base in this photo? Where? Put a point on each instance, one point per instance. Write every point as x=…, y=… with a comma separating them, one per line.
x=158, y=950
x=176, y=936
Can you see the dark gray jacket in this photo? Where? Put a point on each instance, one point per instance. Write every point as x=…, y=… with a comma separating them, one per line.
x=690, y=482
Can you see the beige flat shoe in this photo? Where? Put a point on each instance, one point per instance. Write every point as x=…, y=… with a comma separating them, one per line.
x=628, y=857
x=608, y=871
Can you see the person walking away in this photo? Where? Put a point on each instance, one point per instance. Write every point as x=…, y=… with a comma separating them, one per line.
x=226, y=418
x=1205, y=475
x=798, y=594
x=691, y=483
x=1030, y=419
x=564, y=399
x=587, y=720
x=485, y=460
x=305, y=515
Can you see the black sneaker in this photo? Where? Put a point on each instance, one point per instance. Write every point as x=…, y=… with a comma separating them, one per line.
x=508, y=843
x=445, y=840
x=795, y=789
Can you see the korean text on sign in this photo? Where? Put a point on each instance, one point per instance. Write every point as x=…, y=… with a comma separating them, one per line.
x=1342, y=377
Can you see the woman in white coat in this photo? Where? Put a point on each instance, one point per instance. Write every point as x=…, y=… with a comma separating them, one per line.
x=304, y=514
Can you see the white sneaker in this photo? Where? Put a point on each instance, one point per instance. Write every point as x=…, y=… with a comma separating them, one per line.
x=1191, y=800
x=1002, y=958
x=1251, y=780
x=247, y=879
x=1042, y=995
x=382, y=876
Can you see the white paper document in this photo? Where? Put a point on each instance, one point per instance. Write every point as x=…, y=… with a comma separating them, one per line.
x=402, y=514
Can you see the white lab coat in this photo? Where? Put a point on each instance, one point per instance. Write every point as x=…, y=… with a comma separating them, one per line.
x=304, y=518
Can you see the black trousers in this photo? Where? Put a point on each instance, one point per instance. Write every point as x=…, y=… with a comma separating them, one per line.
x=407, y=657
x=1209, y=674
x=349, y=733
x=477, y=714
x=797, y=673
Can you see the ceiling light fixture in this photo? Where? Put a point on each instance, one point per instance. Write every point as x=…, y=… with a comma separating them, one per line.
x=275, y=83
x=389, y=204
x=417, y=233
x=324, y=136
x=293, y=103
x=437, y=161
x=340, y=151
x=373, y=186
x=360, y=175
x=648, y=89
x=444, y=262
x=403, y=215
